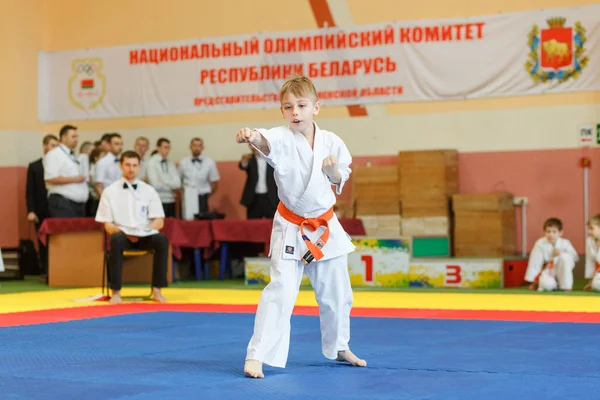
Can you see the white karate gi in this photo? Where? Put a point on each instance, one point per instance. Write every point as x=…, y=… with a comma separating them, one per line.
x=592, y=257
x=305, y=190
x=561, y=275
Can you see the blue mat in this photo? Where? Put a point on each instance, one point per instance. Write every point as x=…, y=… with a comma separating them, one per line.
x=174, y=355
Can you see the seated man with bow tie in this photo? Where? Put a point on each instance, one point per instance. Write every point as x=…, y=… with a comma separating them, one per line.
x=132, y=214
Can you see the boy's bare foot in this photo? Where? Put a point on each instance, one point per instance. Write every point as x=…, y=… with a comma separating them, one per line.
x=115, y=298
x=253, y=369
x=533, y=286
x=348, y=356
x=157, y=295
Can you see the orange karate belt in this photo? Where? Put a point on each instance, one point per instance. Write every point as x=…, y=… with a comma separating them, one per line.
x=548, y=265
x=314, y=250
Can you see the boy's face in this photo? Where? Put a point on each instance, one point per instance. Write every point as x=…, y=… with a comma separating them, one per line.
x=594, y=231
x=552, y=233
x=299, y=112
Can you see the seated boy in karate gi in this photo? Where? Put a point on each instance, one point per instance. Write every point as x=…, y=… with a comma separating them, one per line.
x=306, y=233
x=592, y=255
x=552, y=260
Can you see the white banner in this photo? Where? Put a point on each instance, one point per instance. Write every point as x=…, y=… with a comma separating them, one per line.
x=541, y=51
x=387, y=263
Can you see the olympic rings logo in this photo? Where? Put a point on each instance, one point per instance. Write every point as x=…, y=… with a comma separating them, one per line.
x=89, y=69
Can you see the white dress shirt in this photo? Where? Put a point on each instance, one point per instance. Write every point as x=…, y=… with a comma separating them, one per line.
x=163, y=176
x=129, y=205
x=108, y=170
x=142, y=173
x=199, y=174
x=61, y=161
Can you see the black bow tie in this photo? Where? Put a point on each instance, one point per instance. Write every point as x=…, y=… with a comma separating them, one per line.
x=133, y=185
x=196, y=160
x=116, y=160
x=164, y=160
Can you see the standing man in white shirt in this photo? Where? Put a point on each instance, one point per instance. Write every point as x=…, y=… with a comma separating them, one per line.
x=132, y=214
x=200, y=179
x=65, y=179
x=108, y=168
x=142, y=144
x=163, y=176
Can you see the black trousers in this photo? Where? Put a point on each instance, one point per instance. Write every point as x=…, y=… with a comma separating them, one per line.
x=91, y=207
x=158, y=243
x=43, y=252
x=202, y=203
x=61, y=207
x=169, y=209
x=260, y=207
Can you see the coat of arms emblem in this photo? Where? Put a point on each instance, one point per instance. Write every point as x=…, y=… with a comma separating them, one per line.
x=87, y=85
x=556, y=52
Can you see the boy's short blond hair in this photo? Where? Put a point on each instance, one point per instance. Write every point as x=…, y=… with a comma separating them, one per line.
x=299, y=86
x=595, y=220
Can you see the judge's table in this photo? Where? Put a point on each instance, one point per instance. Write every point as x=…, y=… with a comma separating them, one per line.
x=76, y=254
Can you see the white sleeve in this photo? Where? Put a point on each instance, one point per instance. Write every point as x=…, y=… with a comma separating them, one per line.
x=344, y=160
x=155, y=207
x=84, y=163
x=536, y=261
x=104, y=213
x=180, y=169
x=173, y=177
x=52, y=163
x=569, y=249
x=591, y=258
x=102, y=173
x=153, y=172
x=213, y=174
x=275, y=141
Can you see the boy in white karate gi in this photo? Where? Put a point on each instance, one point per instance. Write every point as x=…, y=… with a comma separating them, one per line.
x=592, y=255
x=552, y=260
x=306, y=232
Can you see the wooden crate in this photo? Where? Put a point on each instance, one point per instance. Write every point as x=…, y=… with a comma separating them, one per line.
x=376, y=174
x=377, y=207
x=428, y=179
x=437, y=207
x=437, y=179
x=432, y=211
x=484, y=233
x=375, y=191
x=382, y=226
x=425, y=226
x=482, y=202
x=428, y=158
x=376, y=183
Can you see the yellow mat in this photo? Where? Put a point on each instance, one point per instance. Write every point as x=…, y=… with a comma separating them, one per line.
x=35, y=301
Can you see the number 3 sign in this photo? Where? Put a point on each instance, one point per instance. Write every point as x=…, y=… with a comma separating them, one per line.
x=453, y=275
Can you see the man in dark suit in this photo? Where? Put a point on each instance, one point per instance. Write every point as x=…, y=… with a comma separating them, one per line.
x=260, y=191
x=37, y=196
